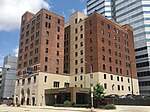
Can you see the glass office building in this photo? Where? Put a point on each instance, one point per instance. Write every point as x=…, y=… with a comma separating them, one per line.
x=101, y=6
x=137, y=14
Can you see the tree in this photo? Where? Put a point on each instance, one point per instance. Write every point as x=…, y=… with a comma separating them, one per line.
x=98, y=92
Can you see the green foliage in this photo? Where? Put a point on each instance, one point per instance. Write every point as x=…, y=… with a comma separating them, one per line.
x=110, y=106
x=82, y=105
x=72, y=103
x=67, y=104
x=98, y=92
x=58, y=105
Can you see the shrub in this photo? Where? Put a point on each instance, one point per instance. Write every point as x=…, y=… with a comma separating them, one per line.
x=72, y=103
x=58, y=105
x=82, y=105
x=110, y=106
x=67, y=104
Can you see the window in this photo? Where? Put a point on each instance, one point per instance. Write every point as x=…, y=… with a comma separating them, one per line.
x=127, y=72
x=58, y=37
x=104, y=76
x=122, y=87
x=116, y=69
x=81, y=36
x=115, y=45
x=37, y=42
x=81, y=60
x=57, y=45
x=110, y=68
x=56, y=84
x=81, y=69
x=129, y=88
x=57, y=53
x=76, y=46
x=76, y=30
x=81, y=78
x=102, y=31
x=23, y=81
x=109, y=51
x=46, y=50
x=111, y=77
x=66, y=85
x=120, y=71
x=117, y=78
x=76, y=62
x=58, y=29
x=109, y=42
x=118, y=87
x=81, y=52
x=47, y=33
x=110, y=59
x=32, y=30
x=81, y=44
x=104, y=67
x=76, y=20
x=90, y=31
x=57, y=61
x=32, y=37
x=128, y=80
x=57, y=70
x=76, y=38
x=105, y=86
x=47, y=41
x=102, y=23
x=103, y=40
x=91, y=76
x=81, y=28
x=108, y=26
x=103, y=49
x=76, y=54
x=91, y=58
x=37, y=34
x=47, y=25
x=58, y=21
x=91, y=49
x=36, y=51
x=38, y=25
x=116, y=61
x=115, y=37
x=29, y=80
x=45, y=68
x=90, y=40
x=121, y=79
x=75, y=78
x=108, y=34
x=103, y=57
x=34, y=79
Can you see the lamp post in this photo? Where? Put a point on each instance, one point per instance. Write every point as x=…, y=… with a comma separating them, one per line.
x=92, y=90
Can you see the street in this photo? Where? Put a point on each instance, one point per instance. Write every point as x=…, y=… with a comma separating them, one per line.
x=4, y=108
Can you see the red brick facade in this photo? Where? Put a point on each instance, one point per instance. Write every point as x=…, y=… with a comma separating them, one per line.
x=41, y=42
x=109, y=47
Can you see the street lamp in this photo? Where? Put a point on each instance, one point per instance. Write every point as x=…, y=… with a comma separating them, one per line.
x=92, y=90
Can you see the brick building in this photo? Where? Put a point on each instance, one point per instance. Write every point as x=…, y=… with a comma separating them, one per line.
x=106, y=49
x=83, y=52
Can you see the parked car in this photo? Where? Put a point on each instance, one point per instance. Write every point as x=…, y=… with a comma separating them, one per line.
x=115, y=96
x=122, y=96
